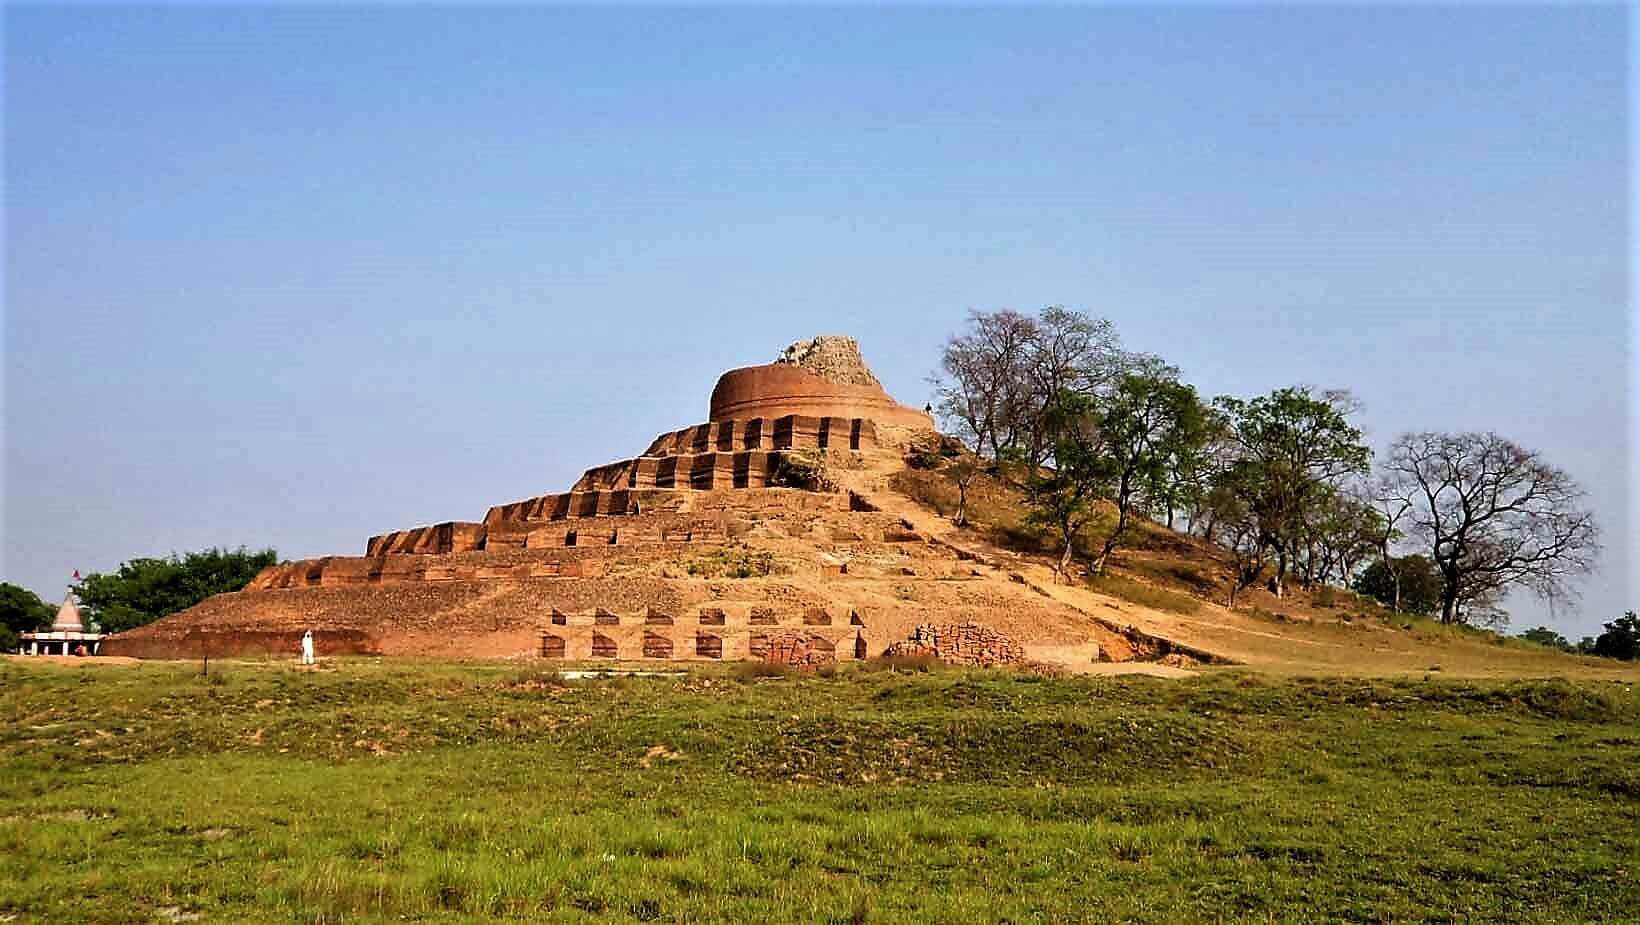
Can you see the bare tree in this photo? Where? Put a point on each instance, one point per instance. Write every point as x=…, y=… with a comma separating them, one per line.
x=998, y=380
x=1392, y=506
x=1494, y=516
x=1070, y=353
x=984, y=382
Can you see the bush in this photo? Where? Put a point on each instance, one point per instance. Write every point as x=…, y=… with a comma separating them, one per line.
x=904, y=664
x=1621, y=640
x=1545, y=636
x=1324, y=596
x=802, y=469
x=733, y=562
x=758, y=671
x=1420, y=584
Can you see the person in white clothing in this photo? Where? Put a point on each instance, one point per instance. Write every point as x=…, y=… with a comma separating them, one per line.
x=307, y=647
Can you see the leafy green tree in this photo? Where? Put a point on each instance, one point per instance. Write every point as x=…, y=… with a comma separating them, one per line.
x=1148, y=425
x=1420, y=583
x=1336, y=535
x=143, y=590
x=21, y=611
x=1291, y=449
x=1545, y=636
x=1621, y=640
x=1066, y=497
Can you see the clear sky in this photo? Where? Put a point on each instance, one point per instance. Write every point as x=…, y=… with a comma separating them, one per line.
x=292, y=277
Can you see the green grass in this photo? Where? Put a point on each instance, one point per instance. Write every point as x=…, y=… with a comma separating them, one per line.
x=733, y=562
x=1145, y=595
x=380, y=792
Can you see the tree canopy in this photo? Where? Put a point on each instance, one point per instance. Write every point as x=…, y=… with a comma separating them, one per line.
x=21, y=611
x=1621, y=639
x=1448, y=524
x=1420, y=584
x=1290, y=449
x=143, y=590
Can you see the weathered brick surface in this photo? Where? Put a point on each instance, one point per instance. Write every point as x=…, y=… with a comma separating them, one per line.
x=656, y=646
x=800, y=650
x=960, y=644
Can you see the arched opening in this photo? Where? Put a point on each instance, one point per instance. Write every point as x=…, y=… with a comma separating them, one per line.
x=656, y=646
x=603, y=646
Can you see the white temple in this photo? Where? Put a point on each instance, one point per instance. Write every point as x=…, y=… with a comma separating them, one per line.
x=67, y=633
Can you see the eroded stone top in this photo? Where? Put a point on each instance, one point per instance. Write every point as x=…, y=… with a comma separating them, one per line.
x=831, y=357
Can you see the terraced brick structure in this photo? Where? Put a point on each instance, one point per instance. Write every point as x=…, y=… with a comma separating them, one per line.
x=739, y=537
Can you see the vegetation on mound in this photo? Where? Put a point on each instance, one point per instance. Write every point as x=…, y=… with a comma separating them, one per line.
x=733, y=562
x=143, y=590
x=1145, y=595
x=1282, y=482
x=376, y=792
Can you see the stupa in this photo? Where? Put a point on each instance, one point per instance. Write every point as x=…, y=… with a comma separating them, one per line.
x=750, y=535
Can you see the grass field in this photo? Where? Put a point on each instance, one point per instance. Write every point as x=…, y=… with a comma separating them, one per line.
x=377, y=791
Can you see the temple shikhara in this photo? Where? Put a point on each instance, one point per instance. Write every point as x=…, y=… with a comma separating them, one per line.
x=771, y=530
x=68, y=634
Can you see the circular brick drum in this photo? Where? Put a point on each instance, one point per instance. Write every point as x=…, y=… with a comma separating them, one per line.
x=779, y=389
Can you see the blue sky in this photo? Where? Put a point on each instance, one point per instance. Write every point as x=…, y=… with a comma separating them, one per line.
x=295, y=276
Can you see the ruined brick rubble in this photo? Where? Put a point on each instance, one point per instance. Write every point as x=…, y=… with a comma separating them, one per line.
x=800, y=650
x=960, y=644
x=833, y=358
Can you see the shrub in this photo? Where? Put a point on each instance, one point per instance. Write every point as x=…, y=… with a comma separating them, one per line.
x=1545, y=636
x=904, y=664
x=747, y=672
x=733, y=562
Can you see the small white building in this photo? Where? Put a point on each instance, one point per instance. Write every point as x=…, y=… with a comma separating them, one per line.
x=67, y=635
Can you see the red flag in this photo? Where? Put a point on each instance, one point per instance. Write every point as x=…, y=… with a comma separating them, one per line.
x=76, y=574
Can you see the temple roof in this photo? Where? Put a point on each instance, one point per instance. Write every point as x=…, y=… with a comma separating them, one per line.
x=68, y=617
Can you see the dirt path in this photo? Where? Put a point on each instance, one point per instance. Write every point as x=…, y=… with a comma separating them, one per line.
x=83, y=661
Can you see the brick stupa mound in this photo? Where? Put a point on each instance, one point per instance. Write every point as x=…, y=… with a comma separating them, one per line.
x=823, y=377
x=736, y=538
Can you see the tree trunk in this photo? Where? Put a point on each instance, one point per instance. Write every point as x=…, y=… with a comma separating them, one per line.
x=1111, y=540
x=1449, y=593
x=962, y=505
x=1065, y=557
